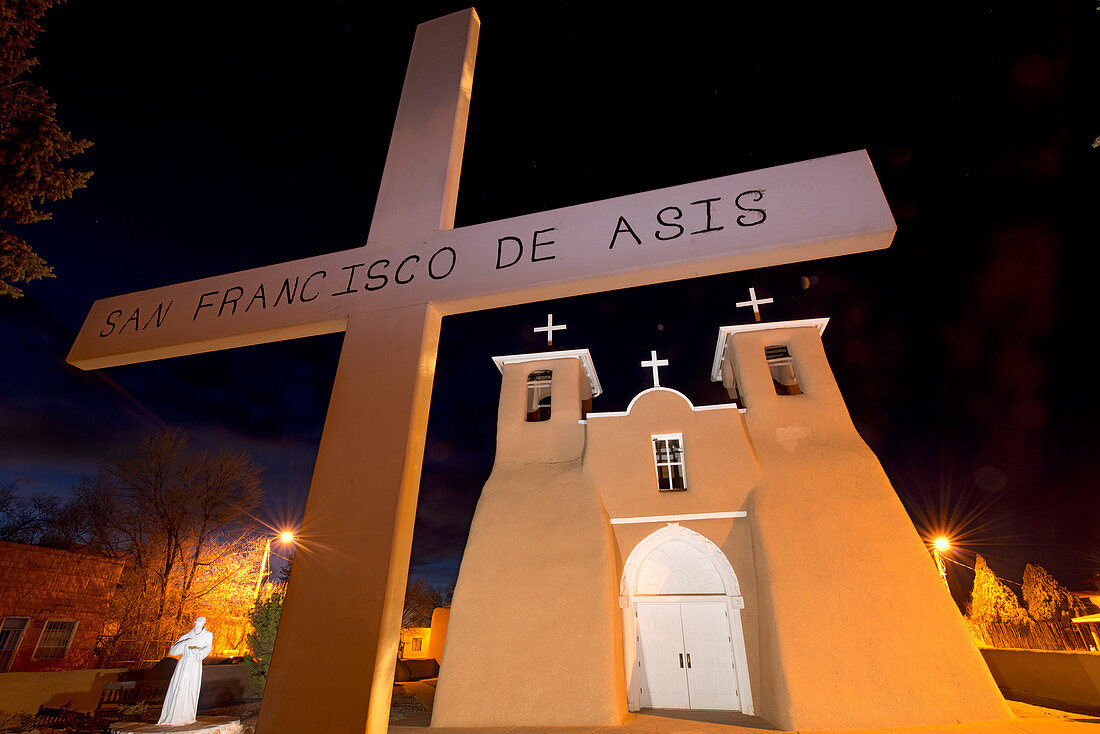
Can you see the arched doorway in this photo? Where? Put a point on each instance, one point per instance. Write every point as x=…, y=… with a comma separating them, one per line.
x=683, y=644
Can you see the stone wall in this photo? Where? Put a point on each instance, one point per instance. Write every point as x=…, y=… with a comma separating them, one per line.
x=46, y=584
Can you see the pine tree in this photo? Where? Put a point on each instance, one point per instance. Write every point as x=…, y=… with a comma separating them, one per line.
x=1046, y=599
x=32, y=146
x=264, y=617
x=991, y=600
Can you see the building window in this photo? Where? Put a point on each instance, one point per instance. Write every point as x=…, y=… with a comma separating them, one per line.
x=55, y=639
x=668, y=455
x=417, y=642
x=538, y=396
x=781, y=366
x=11, y=634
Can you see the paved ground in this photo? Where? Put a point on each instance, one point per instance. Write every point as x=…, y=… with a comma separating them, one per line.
x=1029, y=720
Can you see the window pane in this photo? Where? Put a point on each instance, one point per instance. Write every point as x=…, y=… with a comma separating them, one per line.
x=668, y=460
x=54, y=641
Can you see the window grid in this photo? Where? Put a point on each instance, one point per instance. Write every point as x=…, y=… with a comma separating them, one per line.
x=668, y=457
x=55, y=639
x=11, y=635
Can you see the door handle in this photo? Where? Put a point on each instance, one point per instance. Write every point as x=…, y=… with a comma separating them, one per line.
x=681, y=660
x=689, y=659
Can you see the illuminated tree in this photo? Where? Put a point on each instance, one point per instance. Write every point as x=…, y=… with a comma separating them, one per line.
x=182, y=521
x=991, y=600
x=1046, y=599
x=33, y=146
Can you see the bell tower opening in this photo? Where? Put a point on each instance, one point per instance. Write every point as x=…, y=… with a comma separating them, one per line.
x=538, y=395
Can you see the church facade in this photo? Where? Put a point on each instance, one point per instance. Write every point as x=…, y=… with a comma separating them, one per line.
x=750, y=556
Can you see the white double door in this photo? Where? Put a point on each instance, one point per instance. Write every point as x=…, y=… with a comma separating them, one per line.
x=686, y=652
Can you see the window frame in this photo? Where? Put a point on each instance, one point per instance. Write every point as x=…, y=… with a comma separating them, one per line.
x=681, y=462
x=68, y=642
x=539, y=385
x=18, y=642
x=782, y=359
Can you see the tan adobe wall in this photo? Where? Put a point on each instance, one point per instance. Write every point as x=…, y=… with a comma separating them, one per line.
x=537, y=588
x=721, y=472
x=850, y=601
x=440, y=618
x=720, y=466
x=51, y=584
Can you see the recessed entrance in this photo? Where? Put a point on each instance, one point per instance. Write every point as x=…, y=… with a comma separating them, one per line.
x=683, y=645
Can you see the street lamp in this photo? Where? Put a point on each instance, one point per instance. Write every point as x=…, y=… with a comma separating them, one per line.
x=284, y=537
x=941, y=545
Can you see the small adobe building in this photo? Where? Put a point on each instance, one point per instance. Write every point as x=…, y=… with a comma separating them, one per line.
x=53, y=604
x=750, y=556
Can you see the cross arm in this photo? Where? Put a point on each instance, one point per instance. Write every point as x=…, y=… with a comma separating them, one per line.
x=801, y=211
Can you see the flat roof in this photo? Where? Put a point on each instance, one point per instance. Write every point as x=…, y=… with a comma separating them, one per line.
x=724, y=333
x=582, y=354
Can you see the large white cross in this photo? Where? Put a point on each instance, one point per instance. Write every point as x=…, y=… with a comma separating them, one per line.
x=333, y=665
x=655, y=364
x=550, y=328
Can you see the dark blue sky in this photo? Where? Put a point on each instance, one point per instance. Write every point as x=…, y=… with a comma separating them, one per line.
x=230, y=136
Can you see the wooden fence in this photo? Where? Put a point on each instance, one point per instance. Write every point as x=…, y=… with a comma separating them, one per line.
x=1033, y=636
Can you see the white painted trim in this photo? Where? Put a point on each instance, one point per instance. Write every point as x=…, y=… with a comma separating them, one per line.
x=624, y=413
x=725, y=331
x=677, y=518
x=582, y=354
x=733, y=598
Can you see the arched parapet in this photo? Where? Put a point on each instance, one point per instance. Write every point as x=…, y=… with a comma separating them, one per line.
x=687, y=401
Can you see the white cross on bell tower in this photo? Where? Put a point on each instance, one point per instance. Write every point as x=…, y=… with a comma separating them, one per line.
x=655, y=364
x=755, y=302
x=550, y=328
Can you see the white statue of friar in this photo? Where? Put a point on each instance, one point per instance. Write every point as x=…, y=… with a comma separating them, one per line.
x=182, y=699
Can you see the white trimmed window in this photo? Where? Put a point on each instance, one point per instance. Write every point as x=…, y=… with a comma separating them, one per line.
x=668, y=458
x=11, y=634
x=55, y=639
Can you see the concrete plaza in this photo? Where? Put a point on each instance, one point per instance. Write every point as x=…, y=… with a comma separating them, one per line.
x=1028, y=720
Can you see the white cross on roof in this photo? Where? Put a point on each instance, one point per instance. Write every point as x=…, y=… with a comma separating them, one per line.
x=550, y=328
x=754, y=302
x=655, y=363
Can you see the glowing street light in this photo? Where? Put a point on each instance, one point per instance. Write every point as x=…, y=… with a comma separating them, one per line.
x=939, y=546
x=285, y=537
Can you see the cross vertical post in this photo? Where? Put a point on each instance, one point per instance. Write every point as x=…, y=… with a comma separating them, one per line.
x=333, y=665
x=755, y=302
x=655, y=364
x=550, y=328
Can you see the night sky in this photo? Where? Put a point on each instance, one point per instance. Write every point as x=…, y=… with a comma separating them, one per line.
x=235, y=135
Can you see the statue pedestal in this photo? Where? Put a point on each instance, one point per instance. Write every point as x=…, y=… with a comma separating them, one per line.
x=202, y=725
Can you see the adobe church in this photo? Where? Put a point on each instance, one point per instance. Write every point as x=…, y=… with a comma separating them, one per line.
x=750, y=556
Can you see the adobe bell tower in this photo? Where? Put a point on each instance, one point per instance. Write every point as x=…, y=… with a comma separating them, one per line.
x=856, y=627
x=537, y=581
